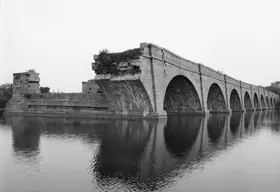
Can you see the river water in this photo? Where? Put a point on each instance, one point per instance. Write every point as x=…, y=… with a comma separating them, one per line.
x=238, y=152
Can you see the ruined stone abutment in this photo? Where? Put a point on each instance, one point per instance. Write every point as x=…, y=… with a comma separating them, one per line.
x=181, y=96
x=126, y=98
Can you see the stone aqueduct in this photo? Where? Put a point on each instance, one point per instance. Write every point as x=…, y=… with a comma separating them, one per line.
x=147, y=82
x=168, y=83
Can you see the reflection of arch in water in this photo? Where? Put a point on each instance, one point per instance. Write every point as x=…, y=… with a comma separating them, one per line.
x=124, y=145
x=247, y=120
x=235, y=122
x=215, y=127
x=181, y=133
x=257, y=118
x=263, y=117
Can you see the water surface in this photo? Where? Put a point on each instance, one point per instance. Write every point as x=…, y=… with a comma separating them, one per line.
x=237, y=152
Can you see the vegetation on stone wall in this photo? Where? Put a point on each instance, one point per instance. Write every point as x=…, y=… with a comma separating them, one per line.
x=6, y=91
x=44, y=89
x=109, y=63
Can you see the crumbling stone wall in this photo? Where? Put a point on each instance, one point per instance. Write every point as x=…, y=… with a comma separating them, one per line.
x=126, y=97
x=127, y=62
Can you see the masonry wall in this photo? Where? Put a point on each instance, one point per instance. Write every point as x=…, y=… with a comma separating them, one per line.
x=59, y=103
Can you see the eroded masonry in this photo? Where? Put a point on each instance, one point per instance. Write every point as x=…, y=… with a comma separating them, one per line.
x=146, y=82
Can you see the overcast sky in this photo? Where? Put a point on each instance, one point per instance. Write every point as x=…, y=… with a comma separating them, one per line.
x=58, y=38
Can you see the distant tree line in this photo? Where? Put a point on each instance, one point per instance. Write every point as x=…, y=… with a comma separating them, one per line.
x=6, y=92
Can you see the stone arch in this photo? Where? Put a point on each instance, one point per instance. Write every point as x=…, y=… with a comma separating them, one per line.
x=271, y=102
x=267, y=102
x=262, y=102
x=234, y=100
x=215, y=99
x=181, y=96
x=274, y=102
x=256, y=101
x=247, y=101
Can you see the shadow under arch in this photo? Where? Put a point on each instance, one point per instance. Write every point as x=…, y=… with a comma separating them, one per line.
x=181, y=96
x=247, y=101
x=215, y=99
x=180, y=133
x=271, y=103
x=267, y=102
x=262, y=102
x=215, y=126
x=235, y=122
x=256, y=101
x=235, y=102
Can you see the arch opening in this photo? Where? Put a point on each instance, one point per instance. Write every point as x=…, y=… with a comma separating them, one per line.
x=256, y=101
x=247, y=101
x=234, y=100
x=215, y=99
x=271, y=102
x=181, y=96
x=267, y=102
x=262, y=102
